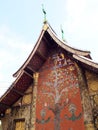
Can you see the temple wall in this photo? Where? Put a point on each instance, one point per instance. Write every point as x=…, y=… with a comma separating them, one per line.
x=59, y=104
x=19, y=114
x=63, y=96
x=92, y=81
x=86, y=101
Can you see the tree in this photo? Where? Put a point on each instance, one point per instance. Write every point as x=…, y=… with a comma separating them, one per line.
x=59, y=87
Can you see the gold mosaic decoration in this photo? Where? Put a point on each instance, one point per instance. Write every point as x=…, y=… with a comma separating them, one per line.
x=96, y=99
x=89, y=126
x=26, y=99
x=94, y=85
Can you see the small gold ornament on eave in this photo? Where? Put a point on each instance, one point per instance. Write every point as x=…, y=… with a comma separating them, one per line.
x=45, y=27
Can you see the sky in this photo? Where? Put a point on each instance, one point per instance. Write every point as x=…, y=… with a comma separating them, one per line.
x=21, y=22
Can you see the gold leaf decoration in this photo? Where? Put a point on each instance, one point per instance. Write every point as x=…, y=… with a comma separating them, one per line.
x=96, y=99
x=26, y=99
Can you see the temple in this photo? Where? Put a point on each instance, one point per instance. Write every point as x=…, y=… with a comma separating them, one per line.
x=56, y=88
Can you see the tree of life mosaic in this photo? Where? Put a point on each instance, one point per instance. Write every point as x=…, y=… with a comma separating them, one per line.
x=58, y=88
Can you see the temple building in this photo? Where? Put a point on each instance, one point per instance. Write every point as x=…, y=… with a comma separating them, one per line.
x=56, y=88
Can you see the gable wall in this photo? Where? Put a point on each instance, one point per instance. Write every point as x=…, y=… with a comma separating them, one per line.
x=58, y=105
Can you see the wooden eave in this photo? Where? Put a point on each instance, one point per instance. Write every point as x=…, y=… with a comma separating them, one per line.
x=15, y=91
x=65, y=45
x=87, y=63
x=30, y=56
x=51, y=36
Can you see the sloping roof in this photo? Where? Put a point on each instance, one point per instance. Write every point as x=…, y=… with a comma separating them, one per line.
x=47, y=31
x=87, y=63
x=47, y=41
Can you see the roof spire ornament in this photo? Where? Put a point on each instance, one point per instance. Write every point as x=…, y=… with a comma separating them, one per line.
x=62, y=34
x=44, y=12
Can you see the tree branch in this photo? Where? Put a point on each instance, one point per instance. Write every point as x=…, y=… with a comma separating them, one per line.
x=49, y=93
x=63, y=90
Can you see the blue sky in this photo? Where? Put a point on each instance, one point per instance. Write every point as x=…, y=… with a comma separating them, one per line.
x=21, y=22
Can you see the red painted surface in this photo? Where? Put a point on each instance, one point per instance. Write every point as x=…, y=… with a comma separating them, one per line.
x=58, y=95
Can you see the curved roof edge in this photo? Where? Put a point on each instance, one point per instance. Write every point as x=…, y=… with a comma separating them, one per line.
x=30, y=56
x=48, y=28
x=11, y=87
x=65, y=45
x=86, y=61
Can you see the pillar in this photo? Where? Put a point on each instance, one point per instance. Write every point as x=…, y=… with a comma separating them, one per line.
x=33, y=103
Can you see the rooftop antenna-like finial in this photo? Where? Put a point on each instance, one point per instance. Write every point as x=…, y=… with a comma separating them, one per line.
x=62, y=34
x=44, y=12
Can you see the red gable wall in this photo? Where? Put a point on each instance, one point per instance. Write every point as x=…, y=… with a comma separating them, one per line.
x=58, y=95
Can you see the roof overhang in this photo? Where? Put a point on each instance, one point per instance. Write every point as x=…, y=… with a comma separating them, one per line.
x=43, y=45
x=87, y=63
x=15, y=91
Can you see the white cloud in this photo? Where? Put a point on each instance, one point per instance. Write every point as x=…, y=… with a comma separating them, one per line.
x=82, y=14
x=11, y=44
x=13, y=53
x=75, y=10
x=4, y=87
x=75, y=7
x=82, y=25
